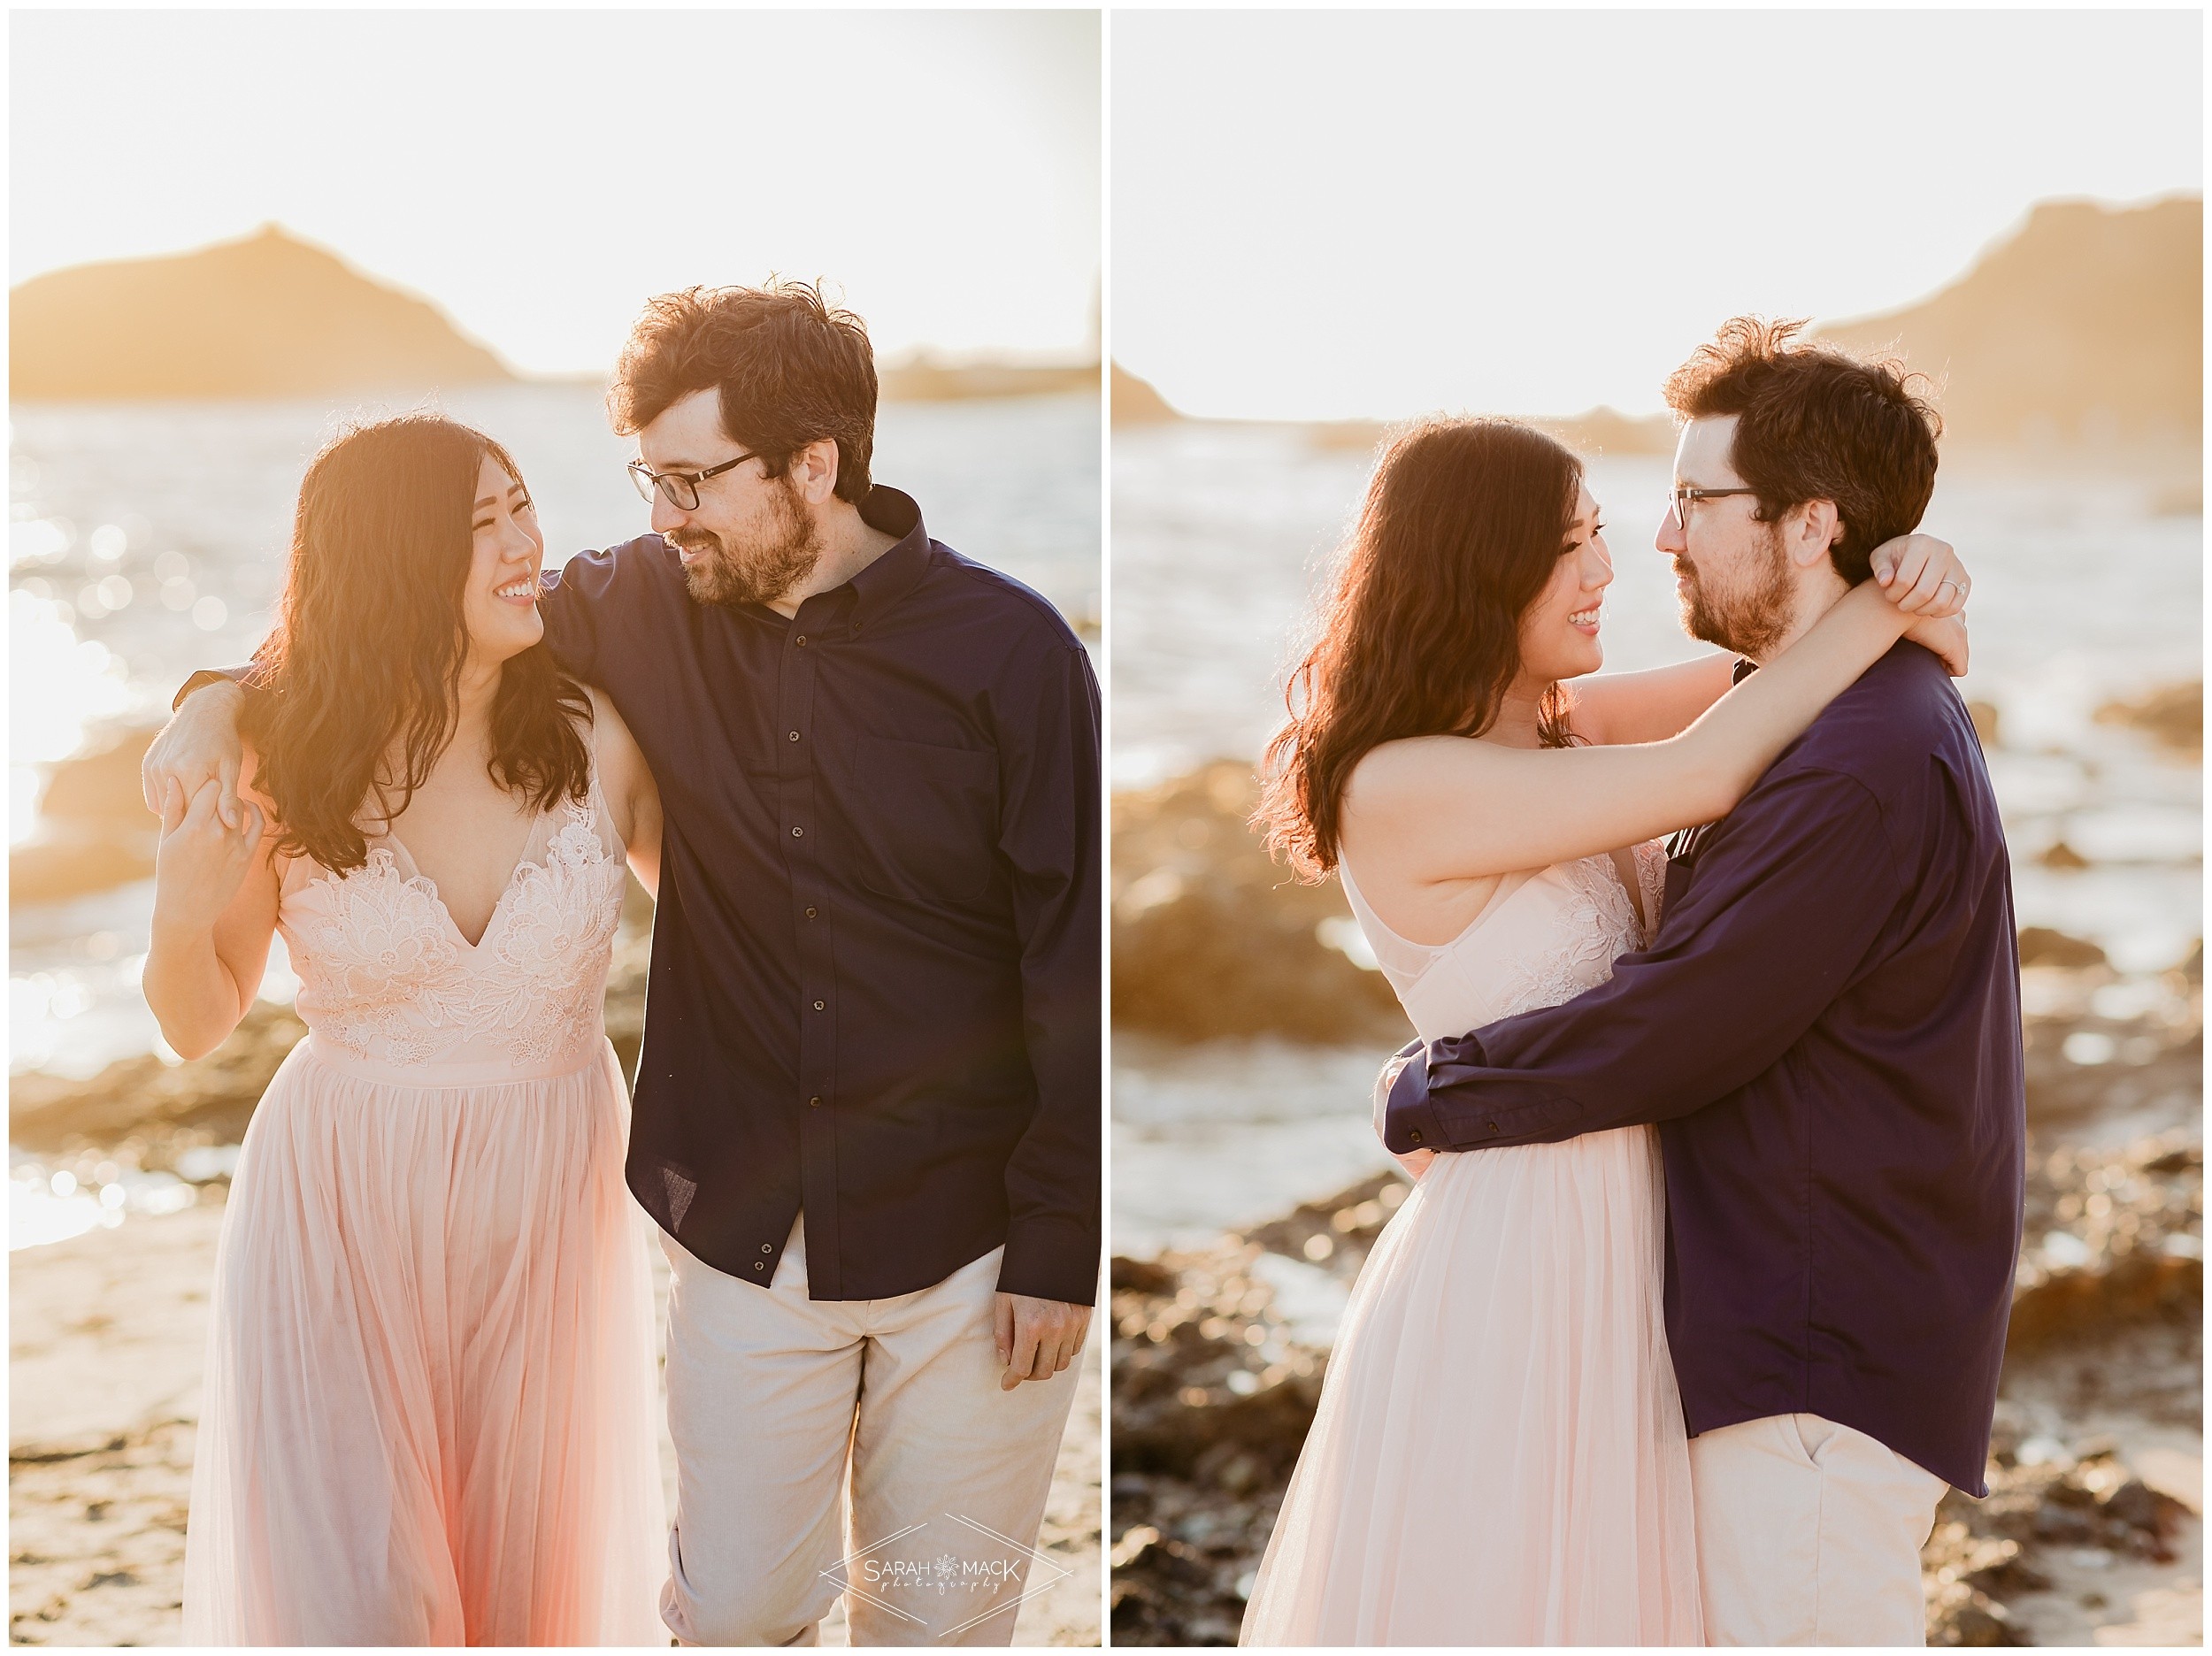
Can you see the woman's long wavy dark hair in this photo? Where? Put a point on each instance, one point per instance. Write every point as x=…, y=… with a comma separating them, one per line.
x=371, y=641
x=1463, y=524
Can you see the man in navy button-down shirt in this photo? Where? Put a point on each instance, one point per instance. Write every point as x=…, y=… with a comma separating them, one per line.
x=867, y=1112
x=1826, y=1029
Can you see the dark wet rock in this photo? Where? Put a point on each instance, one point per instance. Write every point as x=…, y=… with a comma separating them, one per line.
x=2041, y=945
x=1337, y=1232
x=1213, y=1396
x=2110, y=1237
x=1983, y=1553
x=1211, y=938
x=2174, y=714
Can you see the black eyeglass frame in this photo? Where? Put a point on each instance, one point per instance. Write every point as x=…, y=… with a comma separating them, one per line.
x=1683, y=499
x=647, y=480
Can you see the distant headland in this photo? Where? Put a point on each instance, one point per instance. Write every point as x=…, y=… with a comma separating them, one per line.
x=272, y=316
x=2080, y=334
x=267, y=316
x=2084, y=329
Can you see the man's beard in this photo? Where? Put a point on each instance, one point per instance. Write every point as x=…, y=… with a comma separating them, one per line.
x=1749, y=618
x=770, y=563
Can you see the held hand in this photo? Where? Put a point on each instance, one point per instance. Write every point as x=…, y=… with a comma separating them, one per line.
x=1922, y=576
x=1947, y=637
x=200, y=743
x=1415, y=1162
x=200, y=863
x=1036, y=1338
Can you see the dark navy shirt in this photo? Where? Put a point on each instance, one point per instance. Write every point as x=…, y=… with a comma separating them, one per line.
x=874, y=989
x=1827, y=1029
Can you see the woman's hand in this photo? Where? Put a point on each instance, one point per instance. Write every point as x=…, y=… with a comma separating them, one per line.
x=1947, y=637
x=1922, y=576
x=200, y=863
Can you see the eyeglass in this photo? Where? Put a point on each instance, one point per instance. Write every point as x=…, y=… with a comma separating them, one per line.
x=679, y=488
x=1682, y=496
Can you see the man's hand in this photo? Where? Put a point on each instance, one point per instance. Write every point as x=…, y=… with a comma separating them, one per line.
x=1415, y=1162
x=1922, y=576
x=1037, y=1338
x=200, y=744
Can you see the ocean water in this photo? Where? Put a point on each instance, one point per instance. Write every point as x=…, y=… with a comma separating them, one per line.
x=147, y=539
x=2084, y=593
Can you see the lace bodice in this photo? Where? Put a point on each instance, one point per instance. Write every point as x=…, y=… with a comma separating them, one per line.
x=1543, y=937
x=386, y=977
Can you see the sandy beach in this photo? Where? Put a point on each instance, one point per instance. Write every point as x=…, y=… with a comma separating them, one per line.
x=106, y=1339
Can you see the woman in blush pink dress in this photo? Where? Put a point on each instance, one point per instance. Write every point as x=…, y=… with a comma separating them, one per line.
x=1499, y=1456
x=429, y=1408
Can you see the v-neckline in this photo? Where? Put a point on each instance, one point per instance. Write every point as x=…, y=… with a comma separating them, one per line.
x=499, y=907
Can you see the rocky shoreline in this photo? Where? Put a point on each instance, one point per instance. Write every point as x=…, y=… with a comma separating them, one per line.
x=2095, y=1471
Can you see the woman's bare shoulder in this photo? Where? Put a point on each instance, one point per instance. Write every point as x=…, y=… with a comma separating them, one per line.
x=1409, y=769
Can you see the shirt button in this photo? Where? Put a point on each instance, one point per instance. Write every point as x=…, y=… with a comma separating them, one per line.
x=1415, y=1135
x=800, y=640
x=759, y=1266
x=794, y=735
x=810, y=914
x=1494, y=1126
x=798, y=833
x=768, y=1247
x=817, y=1006
x=814, y=1103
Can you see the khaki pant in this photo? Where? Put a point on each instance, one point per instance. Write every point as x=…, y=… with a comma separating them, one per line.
x=860, y=1446
x=1810, y=1533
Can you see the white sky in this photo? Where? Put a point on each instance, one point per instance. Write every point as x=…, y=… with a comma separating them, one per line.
x=1325, y=215
x=538, y=173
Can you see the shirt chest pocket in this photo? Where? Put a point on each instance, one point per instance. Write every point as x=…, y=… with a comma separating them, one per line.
x=924, y=819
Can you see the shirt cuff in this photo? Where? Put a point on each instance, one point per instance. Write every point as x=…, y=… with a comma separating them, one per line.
x=1051, y=1259
x=1410, y=1114
x=206, y=676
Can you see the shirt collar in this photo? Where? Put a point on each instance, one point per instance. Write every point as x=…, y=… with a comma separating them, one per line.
x=898, y=572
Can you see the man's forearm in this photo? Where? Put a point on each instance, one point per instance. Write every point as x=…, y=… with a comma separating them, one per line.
x=1448, y=1097
x=1745, y=962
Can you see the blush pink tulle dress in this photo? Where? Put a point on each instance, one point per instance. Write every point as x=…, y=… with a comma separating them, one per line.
x=1499, y=1456
x=429, y=1406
